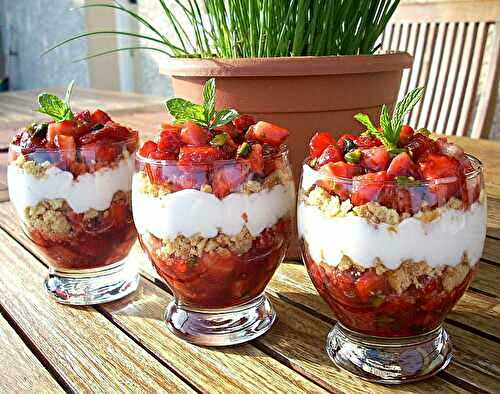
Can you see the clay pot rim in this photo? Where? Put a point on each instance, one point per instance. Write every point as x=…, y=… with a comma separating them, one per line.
x=286, y=66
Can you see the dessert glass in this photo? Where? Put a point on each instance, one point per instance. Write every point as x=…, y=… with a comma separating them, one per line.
x=76, y=208
x=392, y=266
x=216, y=254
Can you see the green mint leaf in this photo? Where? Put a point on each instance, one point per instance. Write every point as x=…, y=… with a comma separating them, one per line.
x=183, y=110
x=387, y=135
x=219, y=140
x=404, y=107
x=365, y=120
x=224, y=117
x=53, y=106
x=209, y=99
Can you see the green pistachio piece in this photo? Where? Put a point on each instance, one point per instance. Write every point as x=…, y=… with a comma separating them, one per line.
x=353, y=156
x=244, y=149
x=219, y=140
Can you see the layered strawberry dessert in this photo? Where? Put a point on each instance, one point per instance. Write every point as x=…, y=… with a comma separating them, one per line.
x=212, y=201
x=392, y=225
x=70, y=182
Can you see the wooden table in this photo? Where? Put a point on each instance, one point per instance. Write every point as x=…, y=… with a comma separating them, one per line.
x=125, y=345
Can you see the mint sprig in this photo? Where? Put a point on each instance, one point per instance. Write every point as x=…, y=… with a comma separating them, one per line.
x=204, y=115
x=55, y=107
x=391, y=125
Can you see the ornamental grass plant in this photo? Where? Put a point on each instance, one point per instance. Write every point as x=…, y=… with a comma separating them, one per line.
x=256, y=28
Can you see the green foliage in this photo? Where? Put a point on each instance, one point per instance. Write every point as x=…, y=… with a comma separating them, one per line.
x=55, y=107
x=391, y=125
x=259, y=28
x=204, y=115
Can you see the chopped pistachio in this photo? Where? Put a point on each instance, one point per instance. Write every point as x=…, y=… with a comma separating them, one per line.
x=219, y=140
x=244, y=149
x=353, y=156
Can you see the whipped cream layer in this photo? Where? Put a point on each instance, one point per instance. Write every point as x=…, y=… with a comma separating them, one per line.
x=90, y=190
x=188, y=212
x=442, y=241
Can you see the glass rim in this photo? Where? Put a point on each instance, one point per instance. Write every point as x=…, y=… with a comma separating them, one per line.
x=87, y=147
x=269, y=156
x=476, y=163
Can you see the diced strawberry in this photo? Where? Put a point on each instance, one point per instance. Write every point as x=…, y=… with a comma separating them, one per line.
x=170, y=141
x=319, y=142
x=375, y=159
x=342, y=140
x=267, y=133
x=341, y=169
x=228, y=177
x=243, y=122
x=338, y=169
x=366, y=141
x=67, y=145
x=230, y=130
x=111, y=130
x=402, y=165
x=106, y=152
x=147, y=148
x=66, y=127
x=405, y=135
x=366, y=188
x=331, y=154
x=161, y=155
x=402, y=199
x=438, y=166
x=420, y=146
x=370, y=284
x=449, y=148
x=199, y=154
x=100, y=117
x=194, y=135
x=256, y=159
x=229, y=148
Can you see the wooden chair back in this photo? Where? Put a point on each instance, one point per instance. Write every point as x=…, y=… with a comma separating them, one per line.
x=456, y=49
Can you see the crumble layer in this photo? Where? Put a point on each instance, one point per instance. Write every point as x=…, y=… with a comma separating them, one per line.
x=414, y=273
x=52, y=217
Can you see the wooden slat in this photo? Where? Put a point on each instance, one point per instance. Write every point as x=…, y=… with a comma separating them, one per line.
x=447, y=10
x=20, y=369
x=444, y=125
x=434, y=74
x=463, y=77
x=492, y=250
x=487, y=105
x=487, y=279
x=444, y=75
x=427, y=56
x=88, y=352
x=464, y=124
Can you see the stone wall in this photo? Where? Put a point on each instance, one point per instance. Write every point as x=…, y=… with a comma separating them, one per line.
x=30, y=26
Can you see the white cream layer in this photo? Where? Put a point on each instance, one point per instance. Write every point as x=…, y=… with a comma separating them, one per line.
x=87, y=191
x=188, y=212
x=440, y=242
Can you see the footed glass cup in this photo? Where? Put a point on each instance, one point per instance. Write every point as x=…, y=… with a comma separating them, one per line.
x=75, y=206
x=391, y=259
x=216, y=234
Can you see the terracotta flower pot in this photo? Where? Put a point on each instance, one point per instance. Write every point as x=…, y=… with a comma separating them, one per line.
x=304, y=94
